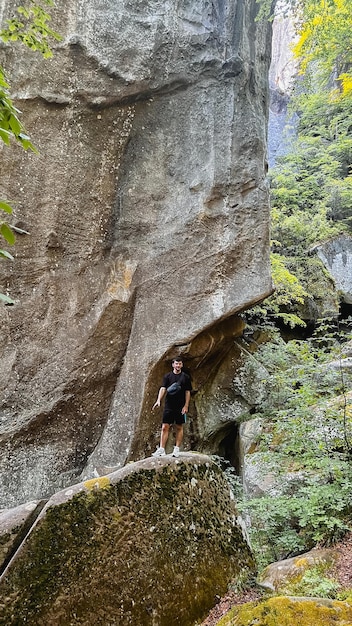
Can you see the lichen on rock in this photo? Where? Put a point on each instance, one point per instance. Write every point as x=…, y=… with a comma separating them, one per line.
x=286, y=611
x=155, y=546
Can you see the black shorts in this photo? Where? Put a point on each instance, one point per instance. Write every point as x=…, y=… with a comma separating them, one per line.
x=173, y=416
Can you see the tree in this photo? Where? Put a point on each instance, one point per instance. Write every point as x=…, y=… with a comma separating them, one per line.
x=324, y=30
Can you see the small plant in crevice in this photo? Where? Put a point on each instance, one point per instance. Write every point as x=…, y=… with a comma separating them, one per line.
x=314, y=583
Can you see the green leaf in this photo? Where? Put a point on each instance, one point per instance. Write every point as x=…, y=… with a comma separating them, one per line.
x=6, y=299
x=26, y=143
x=6, y=255
x=15, y=124
x=5, y=207
x=23, y=11
x=7, y=233
x=5, y=136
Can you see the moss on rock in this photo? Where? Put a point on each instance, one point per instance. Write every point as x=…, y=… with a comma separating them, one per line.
x=290, y=611
x=153, y=547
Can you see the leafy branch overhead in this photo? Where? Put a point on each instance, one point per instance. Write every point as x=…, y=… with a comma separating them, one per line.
x=30, y=26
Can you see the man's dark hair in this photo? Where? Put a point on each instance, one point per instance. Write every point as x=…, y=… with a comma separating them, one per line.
x=177, y=358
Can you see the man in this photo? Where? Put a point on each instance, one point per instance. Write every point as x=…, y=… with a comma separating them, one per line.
x=177, y=387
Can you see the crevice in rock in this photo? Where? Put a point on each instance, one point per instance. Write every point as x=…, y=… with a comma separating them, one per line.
x=345, y=312
x=21, y=536
x=225, y=443
x=230, y=447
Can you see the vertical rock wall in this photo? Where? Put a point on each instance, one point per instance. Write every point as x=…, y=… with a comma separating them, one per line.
x=283, y=69
x=147, y=209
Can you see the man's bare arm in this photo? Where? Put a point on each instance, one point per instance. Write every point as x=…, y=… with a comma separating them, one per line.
x=188, y=397
x=162, y=392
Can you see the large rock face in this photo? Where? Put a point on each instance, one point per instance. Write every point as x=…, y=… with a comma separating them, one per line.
x=152, y=543
x=147, y=210
x=283, y=69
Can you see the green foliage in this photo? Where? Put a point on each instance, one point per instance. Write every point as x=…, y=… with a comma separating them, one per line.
x=230, y=474
x=30, y=26
x=311, y=186
x=311, y=195
x=288, y=293
x=10, y=125
x=306, y=446
x=311, y=199
x=289, y=524
x=314, y=583
x=303, y=195
x=325, y=36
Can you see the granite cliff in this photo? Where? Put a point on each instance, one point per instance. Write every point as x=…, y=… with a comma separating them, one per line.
x=147, y=209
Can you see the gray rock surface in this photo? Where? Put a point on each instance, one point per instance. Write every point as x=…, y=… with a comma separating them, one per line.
x=261, y=476
x=283, y=69
x=14, y=524
x=147, y=209
x=233, y=389
x=248, y=436
x=280, y=575
x=336, y=254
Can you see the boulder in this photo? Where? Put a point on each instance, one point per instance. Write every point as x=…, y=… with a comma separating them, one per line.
x=14, y=524
x=152, y=543
x=279, y=576
x=234, y=388
x=148, y=219
x=346, y=349
x=336, y=254
x=261, y=475
x=248, y=435
x=285, y=611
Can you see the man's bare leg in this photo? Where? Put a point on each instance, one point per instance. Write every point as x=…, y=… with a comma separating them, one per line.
x=179, y=434
x=164, y=435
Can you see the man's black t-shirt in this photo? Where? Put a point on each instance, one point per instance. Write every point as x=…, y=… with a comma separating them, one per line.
x=177, y=400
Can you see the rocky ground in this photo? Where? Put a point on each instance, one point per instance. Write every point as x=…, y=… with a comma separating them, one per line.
x=229, y=600
x=342, y=572
x=343, y=568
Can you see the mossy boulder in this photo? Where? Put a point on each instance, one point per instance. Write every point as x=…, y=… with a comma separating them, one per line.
x=290, y=611
x=14, y=524
x=153, y=543
x=289, y=575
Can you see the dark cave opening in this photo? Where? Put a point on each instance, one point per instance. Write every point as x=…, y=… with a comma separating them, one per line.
x=226, y=445
x=345, y=318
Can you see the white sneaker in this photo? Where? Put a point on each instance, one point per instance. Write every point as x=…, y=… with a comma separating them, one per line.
x=176, y=451
x=159, y=452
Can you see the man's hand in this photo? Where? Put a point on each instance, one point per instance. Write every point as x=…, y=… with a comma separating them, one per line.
x=156, y=404
x=184, y=410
